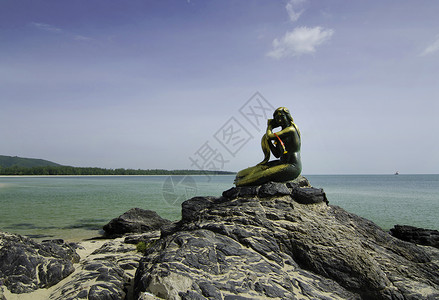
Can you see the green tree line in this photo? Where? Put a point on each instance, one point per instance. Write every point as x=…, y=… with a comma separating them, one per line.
x=67, y=170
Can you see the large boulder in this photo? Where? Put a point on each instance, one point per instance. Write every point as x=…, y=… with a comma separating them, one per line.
x=421, y=236
x=136, y=220
x=282, y=241
x=26, y=265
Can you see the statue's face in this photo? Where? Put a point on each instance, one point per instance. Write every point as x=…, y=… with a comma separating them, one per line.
x=281, y=119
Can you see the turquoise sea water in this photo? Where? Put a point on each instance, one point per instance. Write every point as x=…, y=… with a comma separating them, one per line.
x=74, y=208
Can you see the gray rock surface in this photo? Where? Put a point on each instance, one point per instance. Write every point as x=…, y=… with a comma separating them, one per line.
x=2, y=297
x=98, y=269
x=282, y=241
x=106, y=273
x=416, y=235
x=136, y=220
x=274, y=241
x=26, y=265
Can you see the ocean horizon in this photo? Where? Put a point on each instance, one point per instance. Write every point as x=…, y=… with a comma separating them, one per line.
x=75, y=207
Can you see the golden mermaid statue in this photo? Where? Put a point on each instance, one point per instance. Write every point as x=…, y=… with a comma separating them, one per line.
x=283, y=144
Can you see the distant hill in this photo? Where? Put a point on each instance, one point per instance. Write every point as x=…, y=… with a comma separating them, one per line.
x=14, y=165
x=10, y=161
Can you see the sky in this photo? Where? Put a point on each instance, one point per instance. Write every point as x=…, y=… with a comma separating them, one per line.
x=189, y=84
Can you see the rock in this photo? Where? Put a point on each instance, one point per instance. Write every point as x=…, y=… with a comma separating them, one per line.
x=273, y=189
x=309, y=195
x=142, y=237
x=191, y=207
x=136, y=220
x=416, y=235
x=268, y=189
x=26, y=265
x=263, y=242
x=107, y=273
x=148, y=296
x=300, y=181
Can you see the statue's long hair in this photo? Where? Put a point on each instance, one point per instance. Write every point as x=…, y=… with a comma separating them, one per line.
x=265, y=141
x=288, y=115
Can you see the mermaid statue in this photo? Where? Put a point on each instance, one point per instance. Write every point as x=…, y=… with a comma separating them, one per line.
x=284, y=145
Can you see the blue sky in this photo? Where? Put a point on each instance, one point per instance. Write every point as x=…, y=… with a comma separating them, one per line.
x=156, y=84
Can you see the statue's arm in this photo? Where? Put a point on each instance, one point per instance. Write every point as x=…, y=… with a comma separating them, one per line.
x=270, y=136
x=288, y=135
x=292, y=133
x=282, y=133
x=269, y=132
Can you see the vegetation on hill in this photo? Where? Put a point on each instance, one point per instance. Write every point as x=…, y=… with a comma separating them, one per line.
x=67, y=170
x=13, y=165
x=10, y=161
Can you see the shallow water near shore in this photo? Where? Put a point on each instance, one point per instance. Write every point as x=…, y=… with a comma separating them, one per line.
x=76, y=207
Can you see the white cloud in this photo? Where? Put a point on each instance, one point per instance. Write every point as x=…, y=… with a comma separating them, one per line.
x=302, y=40
x=294, y=9
x=46, y=27
x=51, y=28
x=82, y=38
x=432, y=48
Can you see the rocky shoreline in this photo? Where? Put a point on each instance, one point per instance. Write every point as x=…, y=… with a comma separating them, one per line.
x=274, y=241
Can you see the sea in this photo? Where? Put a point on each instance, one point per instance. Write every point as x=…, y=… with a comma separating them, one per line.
x=76, y=207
